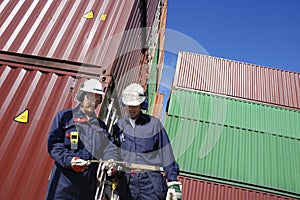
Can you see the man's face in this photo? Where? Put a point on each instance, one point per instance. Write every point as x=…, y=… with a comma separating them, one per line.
x=134, y=111
x=90, y=103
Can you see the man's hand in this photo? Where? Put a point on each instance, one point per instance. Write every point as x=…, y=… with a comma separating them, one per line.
x=174, y=190
x=110, y=166
x=78, y=164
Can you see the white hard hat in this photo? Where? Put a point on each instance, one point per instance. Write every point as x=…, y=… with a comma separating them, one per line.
x=92, y=86
x=133, y=95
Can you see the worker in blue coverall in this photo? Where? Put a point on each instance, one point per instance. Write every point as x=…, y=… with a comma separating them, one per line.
x=77, y=136
x=143, y=140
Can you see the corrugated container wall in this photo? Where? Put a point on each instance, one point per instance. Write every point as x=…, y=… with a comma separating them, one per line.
x=157, y=55
x=46, y=49
x=128, y=66
x=238, y=79
x=23, y=148
x=195, y=189
x=59, y=30
x=232, y=112
x=235, y=140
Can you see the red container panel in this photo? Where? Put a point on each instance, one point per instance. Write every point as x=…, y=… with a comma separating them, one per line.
x=23, y=146
x=195, y=189
x=55, y=38
x=130, y=64
x=238, y=79
x=58, y=29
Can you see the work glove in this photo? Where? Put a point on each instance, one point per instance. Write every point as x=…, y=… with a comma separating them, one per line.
x=174, y=190
x=78, y=164
x=110, y=166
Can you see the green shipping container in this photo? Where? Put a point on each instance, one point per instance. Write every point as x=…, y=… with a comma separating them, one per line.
x=235, y=140
x=234, y=112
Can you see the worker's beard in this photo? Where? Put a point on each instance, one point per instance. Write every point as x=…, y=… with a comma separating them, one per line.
x=89, y=108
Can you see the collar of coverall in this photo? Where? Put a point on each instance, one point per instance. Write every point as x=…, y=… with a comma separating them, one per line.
x=142, y=119
x=79, y=116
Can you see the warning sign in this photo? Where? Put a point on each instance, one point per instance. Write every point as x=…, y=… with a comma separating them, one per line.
x=23, y=117
x=89, y=15
x=103, y=17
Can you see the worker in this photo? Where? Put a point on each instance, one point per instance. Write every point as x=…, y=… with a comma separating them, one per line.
x=77, y=136
x=142, y=139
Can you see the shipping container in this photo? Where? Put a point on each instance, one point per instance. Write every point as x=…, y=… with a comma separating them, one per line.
x=110, y=34
x=194, y=189
x=235, y=123
x=117, y=37
x=235, y=155
x=63, y=30
x=42, y=92
x=136, y=66
x=47, y=48
x=233, y=112
x=238, y=79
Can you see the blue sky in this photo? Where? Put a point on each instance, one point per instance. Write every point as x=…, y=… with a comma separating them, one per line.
x=262, y=32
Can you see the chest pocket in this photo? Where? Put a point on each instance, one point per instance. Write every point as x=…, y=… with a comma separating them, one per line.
x=146, y=139
x=147, y=144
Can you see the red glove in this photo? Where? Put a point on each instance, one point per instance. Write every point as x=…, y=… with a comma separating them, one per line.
x=78, y=164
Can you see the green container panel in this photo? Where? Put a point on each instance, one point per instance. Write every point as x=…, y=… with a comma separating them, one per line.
x=152, y=84
x=234, y=154
x=234, y=112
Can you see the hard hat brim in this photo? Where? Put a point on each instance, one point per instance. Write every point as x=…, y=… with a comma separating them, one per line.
x=133, y=103
x=93, y=91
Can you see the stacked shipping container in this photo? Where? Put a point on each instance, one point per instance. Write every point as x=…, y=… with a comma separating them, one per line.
x=47, y=48
x=235, y=123
x=23, y=146
x=238, y=79
x=202, y=189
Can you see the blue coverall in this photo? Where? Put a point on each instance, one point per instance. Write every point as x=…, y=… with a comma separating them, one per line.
x=93, y=143
x=147, y=143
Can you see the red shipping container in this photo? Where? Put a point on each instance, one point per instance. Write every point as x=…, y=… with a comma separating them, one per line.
x=195, y=189
x=238, y=79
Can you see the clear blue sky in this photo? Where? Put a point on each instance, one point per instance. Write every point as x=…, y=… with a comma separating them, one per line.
x=262, y=32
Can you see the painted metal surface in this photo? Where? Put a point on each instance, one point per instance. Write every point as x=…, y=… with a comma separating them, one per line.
x=235, y=113
x=157, y=108
x=238, y=79
x=134, y=63
x=235, y=154
x=58, y=29
x=46, y=48
x=23, y=148
x=152, y=7
x=195, y=189
x=153, y=80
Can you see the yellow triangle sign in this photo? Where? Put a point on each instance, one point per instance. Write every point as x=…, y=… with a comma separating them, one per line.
x=89, y=15
x=23, y=117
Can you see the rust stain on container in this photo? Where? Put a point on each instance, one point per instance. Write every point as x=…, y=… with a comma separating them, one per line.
x=157, y=110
